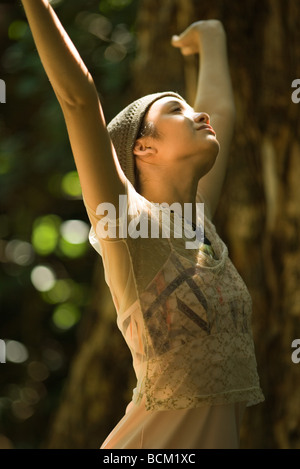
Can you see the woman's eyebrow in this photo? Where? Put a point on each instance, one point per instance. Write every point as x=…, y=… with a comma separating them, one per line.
x=170, y=104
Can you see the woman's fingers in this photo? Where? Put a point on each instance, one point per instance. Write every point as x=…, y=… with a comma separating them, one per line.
x=176, y=41
x=187, y=45
x=189, y=40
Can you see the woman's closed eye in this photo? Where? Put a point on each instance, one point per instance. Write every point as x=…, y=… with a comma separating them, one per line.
x=176, y=109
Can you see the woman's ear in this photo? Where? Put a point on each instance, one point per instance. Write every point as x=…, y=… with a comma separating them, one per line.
x=142, y=147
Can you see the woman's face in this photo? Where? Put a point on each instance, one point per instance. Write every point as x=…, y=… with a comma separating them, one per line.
x=183, y=133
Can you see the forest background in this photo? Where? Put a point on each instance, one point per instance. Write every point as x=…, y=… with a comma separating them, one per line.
x=68, y=374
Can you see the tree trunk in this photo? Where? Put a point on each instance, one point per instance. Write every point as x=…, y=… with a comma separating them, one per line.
x=258, y=216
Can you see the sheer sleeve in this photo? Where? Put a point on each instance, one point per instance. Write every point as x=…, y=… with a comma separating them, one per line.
x=109, y=237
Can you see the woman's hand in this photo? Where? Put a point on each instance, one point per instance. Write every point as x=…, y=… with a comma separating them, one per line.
x=189, y=41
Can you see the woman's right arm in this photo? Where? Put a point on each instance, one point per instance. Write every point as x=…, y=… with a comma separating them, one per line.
x=101, y=177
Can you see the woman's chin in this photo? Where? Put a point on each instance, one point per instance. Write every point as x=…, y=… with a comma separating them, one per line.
x=208, y=164
x=214, y=144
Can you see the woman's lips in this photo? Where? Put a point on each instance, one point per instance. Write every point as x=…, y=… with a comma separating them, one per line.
x=207, y=127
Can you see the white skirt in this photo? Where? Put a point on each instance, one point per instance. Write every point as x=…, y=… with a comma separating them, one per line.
x=209, y=427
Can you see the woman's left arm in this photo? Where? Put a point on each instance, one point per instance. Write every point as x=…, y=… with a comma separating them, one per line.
x=214, y=96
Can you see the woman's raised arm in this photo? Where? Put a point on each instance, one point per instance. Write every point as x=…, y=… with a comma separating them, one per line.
x=101, y=177
x=214, y=96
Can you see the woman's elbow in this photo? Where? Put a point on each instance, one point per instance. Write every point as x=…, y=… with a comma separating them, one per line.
x=80, y=95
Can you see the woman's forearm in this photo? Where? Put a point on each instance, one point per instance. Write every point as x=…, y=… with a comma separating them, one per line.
x=66, y=71
x=214, y=89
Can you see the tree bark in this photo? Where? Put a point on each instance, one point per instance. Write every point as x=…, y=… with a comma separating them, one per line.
x=258, y=217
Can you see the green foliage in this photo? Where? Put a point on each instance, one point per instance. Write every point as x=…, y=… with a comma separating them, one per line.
x=46, y=260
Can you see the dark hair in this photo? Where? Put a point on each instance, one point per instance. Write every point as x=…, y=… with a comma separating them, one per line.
x=147, y=129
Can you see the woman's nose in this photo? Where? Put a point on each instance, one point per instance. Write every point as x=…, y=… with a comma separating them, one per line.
x=201, y=117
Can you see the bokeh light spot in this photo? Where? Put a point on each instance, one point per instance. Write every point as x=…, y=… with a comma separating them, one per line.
x=73, y=251
x=22, y=410
x=5, y=163
x=43, y=278
x=17, y=29
x=16, y=352
x=115, y=53
x=70, y=185
x=45, y=234
x=19, y=252
x=38, y=371
x=60, y=292
x=75, y=231
x=66, y=316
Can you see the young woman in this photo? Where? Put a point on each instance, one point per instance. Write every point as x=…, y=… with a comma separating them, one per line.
x=182, y=308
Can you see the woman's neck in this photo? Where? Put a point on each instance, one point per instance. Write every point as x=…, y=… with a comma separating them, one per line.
x=170, y=190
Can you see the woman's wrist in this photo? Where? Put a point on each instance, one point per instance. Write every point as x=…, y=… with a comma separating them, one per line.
x=210, y=33
x=209, y=26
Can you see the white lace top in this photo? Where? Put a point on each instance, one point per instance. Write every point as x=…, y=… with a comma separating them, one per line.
x=185, y=316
